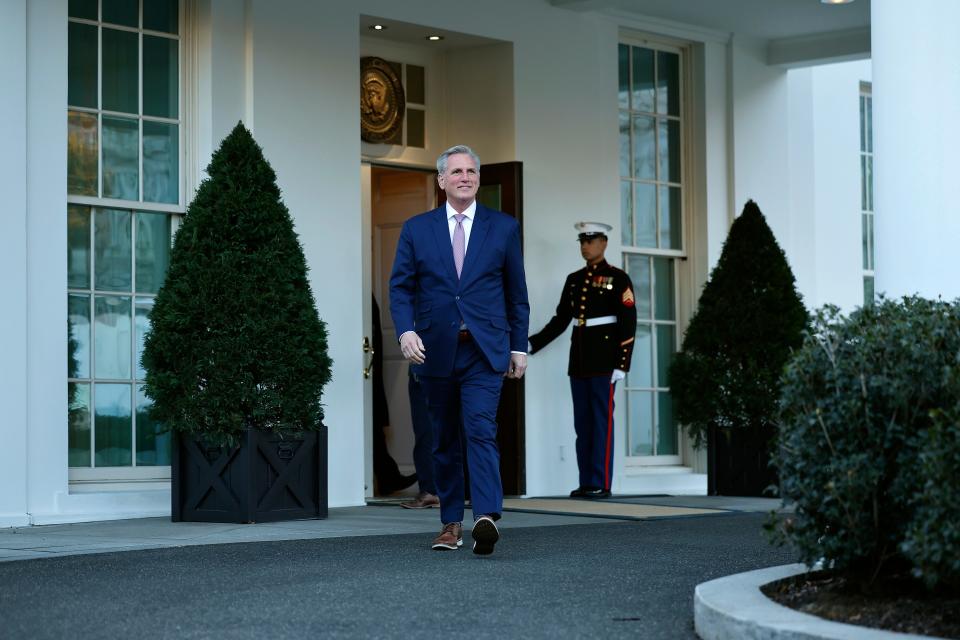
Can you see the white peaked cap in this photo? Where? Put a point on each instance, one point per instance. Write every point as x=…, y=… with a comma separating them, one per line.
x=592, y=228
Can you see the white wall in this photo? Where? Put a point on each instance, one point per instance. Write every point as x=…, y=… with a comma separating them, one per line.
x=46, y=255
x=305, y=83
x=13, y=258
x=838, y=260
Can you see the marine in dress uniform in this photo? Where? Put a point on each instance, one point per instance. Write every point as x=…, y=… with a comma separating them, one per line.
x=599, y=300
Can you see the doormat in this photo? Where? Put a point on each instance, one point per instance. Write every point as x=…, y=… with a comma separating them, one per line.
x=602, y=509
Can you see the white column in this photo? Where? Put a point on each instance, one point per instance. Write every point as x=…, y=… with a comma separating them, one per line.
x=916, y=134
x=13, y=256
x=46, y=256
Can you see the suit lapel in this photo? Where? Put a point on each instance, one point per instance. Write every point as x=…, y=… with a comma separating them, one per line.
x=478, y=233
x=441, y=231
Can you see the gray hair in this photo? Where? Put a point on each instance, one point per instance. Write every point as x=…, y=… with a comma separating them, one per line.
x=452, y=151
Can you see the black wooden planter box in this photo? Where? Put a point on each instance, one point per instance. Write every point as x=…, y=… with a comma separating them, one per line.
x=738, y=461
x=264, y=479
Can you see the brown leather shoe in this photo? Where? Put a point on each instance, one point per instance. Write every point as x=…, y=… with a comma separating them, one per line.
x=485, y=535
x=450, y=538
x=423, y=500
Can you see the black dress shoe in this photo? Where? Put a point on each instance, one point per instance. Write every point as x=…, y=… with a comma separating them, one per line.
x=596, y=493
x=577, y=493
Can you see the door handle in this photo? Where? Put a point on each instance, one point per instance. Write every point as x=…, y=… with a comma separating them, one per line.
x=368, y=349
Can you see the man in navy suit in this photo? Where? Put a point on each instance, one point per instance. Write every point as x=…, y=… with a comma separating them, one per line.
x=458, y=296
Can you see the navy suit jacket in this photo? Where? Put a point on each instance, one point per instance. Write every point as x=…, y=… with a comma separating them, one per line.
x=490, y=296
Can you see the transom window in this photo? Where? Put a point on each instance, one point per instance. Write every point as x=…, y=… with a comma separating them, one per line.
x=124, y=198
x=651, y=223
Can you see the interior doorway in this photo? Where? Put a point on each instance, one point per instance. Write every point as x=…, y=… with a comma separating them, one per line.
x=395, y=195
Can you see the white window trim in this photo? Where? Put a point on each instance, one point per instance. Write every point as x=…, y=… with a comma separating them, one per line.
x=87, y=479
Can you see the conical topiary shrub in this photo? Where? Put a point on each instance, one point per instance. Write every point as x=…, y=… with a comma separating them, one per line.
x=235, y=341
x=727, y=374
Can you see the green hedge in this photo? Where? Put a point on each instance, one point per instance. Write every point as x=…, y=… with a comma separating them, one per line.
x=748, y=320
x=861, y=456
x=235, y=341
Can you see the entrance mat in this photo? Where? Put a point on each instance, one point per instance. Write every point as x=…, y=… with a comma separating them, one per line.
x=602, y=508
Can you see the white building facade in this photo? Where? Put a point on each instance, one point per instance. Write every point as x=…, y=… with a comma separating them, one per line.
x=661, y=119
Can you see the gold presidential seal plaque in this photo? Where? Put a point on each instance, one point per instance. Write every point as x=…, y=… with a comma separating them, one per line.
x=381, y=101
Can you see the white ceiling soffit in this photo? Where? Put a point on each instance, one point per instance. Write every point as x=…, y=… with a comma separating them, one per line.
x=798, y=32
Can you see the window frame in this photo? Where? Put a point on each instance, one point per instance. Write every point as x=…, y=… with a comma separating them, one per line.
x=132, y=476
x=677, y=256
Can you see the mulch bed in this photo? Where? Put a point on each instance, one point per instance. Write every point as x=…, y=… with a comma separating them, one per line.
x=895, y=604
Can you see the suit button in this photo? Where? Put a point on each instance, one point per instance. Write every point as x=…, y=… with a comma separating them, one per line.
x=457, y=297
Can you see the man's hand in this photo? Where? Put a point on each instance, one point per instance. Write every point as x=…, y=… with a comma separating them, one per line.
x=518, y=364
x=617, y=376
x=412, y=347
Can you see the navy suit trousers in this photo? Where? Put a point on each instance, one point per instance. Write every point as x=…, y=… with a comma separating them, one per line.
x=473, y=391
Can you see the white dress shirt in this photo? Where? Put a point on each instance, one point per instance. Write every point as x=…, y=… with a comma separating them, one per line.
x=469, y=212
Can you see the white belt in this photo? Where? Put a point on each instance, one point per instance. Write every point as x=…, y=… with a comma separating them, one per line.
x=593, y=322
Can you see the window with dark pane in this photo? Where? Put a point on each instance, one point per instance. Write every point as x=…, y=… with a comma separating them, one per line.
x=649, y=101
x=123, y=144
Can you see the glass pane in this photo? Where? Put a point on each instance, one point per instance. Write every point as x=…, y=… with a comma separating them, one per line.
x=161, y=15
x=489, y=195
x=160, y=74
x=121, y=66
x=125, y=12
x=663, y=303
x=111, y=337
x=416, y=128
x=624, y=145
x=868, y=294
x=870, y=124
x=153, y=444
x=668, y=83
x=870, y=247
x=863, y=182
x=415, y=85
x=863, y=124
x=864, y=234
x=670, y=229
x=626, y=213
x=669, y=150
x=153, y=250
x=120, y=160
x=78, y=247
x=81, y=153
x=623, y=67
x=638, y=268
x=113, y=425
x=161, y=154
x=142, y=308
x=666, y=426
x=640, y=433
x=869, y=181
x=86, y=9
x=642, y=79
x=644, y=148
x=641, y=365
x=82, y=64
x=665, y=348
x=78, y=337
x=112, y=250
x=78, y=424
x=646, y=212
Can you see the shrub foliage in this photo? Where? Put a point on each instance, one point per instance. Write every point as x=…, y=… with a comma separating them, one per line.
x=235, y=339
x=748, y=320
x=865, y=454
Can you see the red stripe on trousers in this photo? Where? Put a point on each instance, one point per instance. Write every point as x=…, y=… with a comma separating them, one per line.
x=606, y=461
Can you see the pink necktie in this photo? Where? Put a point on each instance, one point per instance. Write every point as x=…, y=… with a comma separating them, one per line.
x=459, y=243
